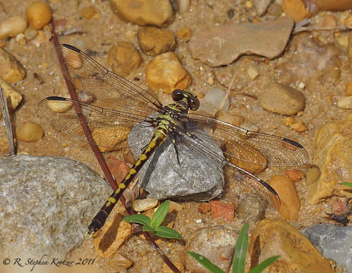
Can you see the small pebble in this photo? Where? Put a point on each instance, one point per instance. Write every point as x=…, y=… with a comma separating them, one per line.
x=204, y=208
x=29, y=132
x=12, y=96
x=252, y=72
x=290, y=206
x=13, y=26
x=154, y=41
x=153, y=13
x=124, y=58
x=38, y=14
x=348, y=89
x=313, y=174
x=11, y=69
x=30, y=33
x=118, y=168
x=295, y=175
x=213, y=99
x=281, y=99
x=288, y=121
x=119, y=262
x=175, y=207
x=184, y=34
x=222, y=210
x=299, y=126
x=87, y=13
x=345, y=103
x=145, y=204
x=329, y=21
x=210, y=81
x=166, y=72
x=183, y=6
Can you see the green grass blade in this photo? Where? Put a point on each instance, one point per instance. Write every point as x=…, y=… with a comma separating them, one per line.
x=263, y=265
x=239, y=260
x=160, y=214
x=167, y=232
x=138, y=218
x=348, y=184
x=205, y=262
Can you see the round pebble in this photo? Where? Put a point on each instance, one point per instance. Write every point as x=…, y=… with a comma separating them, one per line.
x=313, y=174
x=166, y=72
x=124, y=58
x=87, y=13
x=154, y=41
x=38, y=14
x=29, y=132
x=281, y=99
x=12, y=27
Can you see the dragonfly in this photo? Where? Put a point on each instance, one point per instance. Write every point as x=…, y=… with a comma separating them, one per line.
x=112, y=103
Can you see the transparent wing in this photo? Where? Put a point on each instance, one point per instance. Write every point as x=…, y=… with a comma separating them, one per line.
x=90, y=77
x=109, y=127
x=244, y=147
x=254, y=184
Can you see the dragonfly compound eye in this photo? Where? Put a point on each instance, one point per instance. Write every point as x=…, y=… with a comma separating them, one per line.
x=178, y=94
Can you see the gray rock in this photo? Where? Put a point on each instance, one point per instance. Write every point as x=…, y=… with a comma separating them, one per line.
x=194, y=178
x=281, y=99
x=46, y=205
x=333, y=242
x=222, y=45
x=215, y=243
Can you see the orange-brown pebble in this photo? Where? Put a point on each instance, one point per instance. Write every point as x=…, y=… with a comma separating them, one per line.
x=348, y=89
x=29, y=132
x=289, y=208
x=204, y=208
x=38, y=14
x=295, y=175
x=87, y=12
x=329, y=21
x=222, y=210
x=118, y=168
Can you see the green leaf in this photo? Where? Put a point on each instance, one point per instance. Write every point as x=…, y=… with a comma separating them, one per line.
x=205, y=262
x=239, y=260
x=160, y=214
x=166, y=232
x=348, y=184
x=138, y=218
x=148, y=228
x=263, y=265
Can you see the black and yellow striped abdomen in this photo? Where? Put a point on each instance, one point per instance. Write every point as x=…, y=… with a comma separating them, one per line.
x=98, y=221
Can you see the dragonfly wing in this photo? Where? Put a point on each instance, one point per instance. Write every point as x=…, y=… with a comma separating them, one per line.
x=89, y=76
x=253, y=183
x=246, y=146
x=109, y=127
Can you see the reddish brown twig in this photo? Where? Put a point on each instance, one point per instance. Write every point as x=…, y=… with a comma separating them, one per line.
x=96, y=150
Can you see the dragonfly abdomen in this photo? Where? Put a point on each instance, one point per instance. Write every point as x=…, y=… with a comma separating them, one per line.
x=99, y=220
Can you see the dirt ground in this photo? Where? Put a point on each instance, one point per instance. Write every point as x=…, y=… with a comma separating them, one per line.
x=106, y=29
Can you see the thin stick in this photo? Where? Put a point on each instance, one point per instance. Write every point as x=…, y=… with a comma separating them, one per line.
x=7, y=120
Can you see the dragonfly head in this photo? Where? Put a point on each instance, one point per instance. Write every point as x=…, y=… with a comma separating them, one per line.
x=186, y=97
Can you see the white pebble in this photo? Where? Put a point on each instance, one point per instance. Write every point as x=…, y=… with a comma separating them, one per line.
x=12, y=27
x=345, y=103
x=144, y=204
